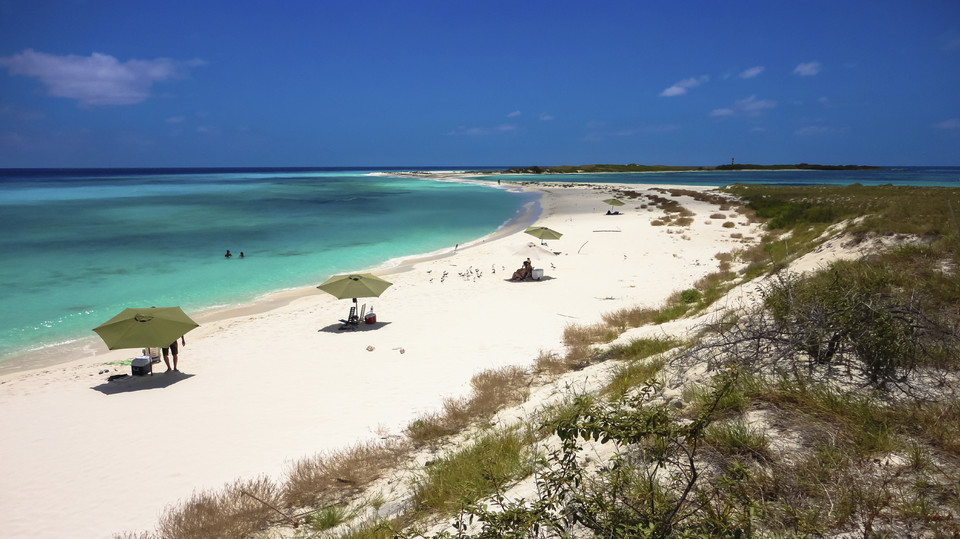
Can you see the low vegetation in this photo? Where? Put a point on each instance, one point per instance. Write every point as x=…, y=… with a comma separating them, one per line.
x=829, y=408
x=574, y=169
x=492, y=390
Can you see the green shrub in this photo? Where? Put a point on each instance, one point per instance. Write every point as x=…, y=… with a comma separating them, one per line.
x=690, y=295
x=847, y=316
x=622, y=498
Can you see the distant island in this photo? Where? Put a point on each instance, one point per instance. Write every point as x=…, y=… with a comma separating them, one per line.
x=633, y=167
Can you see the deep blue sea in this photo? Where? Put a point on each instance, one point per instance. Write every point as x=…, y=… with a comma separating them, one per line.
x=930, y=176
x=80, y=245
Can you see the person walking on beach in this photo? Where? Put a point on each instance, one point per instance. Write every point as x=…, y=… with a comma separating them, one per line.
x=173, y=348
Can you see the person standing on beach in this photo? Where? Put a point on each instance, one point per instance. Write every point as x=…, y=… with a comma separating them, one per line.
x=173, y=348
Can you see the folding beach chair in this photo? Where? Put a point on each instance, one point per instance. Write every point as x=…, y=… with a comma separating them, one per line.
x=153, y=353
x=352, y=320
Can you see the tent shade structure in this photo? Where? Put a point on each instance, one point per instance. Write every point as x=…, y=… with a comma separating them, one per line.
x=153, y=327
x=543, y=233
x=357, y=285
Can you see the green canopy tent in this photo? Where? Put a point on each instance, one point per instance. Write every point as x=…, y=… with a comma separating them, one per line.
x=147, y=327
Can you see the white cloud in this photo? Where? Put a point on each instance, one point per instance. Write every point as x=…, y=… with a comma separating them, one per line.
x=482, y=131
x=513, y=114
x=752, y=72
x=600, y=131
x=176, y=119
x=812, y=130
x=681, y=87
x=750, y=106
x=545, y=117
x=808, y=69
x=98, y=79
x=952, y=123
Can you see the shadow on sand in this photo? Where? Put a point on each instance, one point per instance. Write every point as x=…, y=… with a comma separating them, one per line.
x=335, y=328
x=137, y=383
x=544, y=278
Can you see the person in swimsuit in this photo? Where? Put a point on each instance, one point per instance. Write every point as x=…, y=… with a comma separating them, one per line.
x=523, y=272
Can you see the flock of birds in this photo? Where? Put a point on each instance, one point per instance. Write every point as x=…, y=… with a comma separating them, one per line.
x=472, y=274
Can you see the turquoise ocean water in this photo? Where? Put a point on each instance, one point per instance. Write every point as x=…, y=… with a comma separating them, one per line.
x=80, y=245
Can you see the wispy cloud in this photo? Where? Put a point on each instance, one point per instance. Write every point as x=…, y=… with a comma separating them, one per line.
x=514, y=114
x=544, y=117
x=952, y=123
x=176, y=119
x=482, y=131
x=20, y=114
x=808, y=69
x=813, y=130
x=98, y=79
x=750, y=106
x=949, y=43
x=752, y=72
x=600, y=131
x=681, y=87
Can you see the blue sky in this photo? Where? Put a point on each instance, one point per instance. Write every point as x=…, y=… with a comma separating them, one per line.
x=416, y=83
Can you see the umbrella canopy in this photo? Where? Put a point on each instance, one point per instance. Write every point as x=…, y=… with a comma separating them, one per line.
x=543, y=233
x=537, y=254
x=613, y=202
x=145, y=327
x=358, y=285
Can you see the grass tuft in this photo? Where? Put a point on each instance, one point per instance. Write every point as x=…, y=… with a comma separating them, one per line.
x=328, y=477
x=492, y=390
x=464, y=477
x=735, y=439
x=230, y=512
x=632, y=374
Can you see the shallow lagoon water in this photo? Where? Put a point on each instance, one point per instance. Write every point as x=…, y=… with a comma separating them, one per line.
x=79, y=246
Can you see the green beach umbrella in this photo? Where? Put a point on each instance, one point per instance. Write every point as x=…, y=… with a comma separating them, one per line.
x=543, y=233
x=613, y=202
x=145, y=327
x=358, y=285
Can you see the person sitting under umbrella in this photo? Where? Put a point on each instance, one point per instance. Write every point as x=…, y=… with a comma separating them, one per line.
x=525, y=270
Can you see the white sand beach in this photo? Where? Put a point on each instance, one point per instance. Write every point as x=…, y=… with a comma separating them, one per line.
x=84, y=457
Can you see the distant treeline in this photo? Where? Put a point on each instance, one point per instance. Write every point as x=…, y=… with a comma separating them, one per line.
x=802, y=166
x=583, y=169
